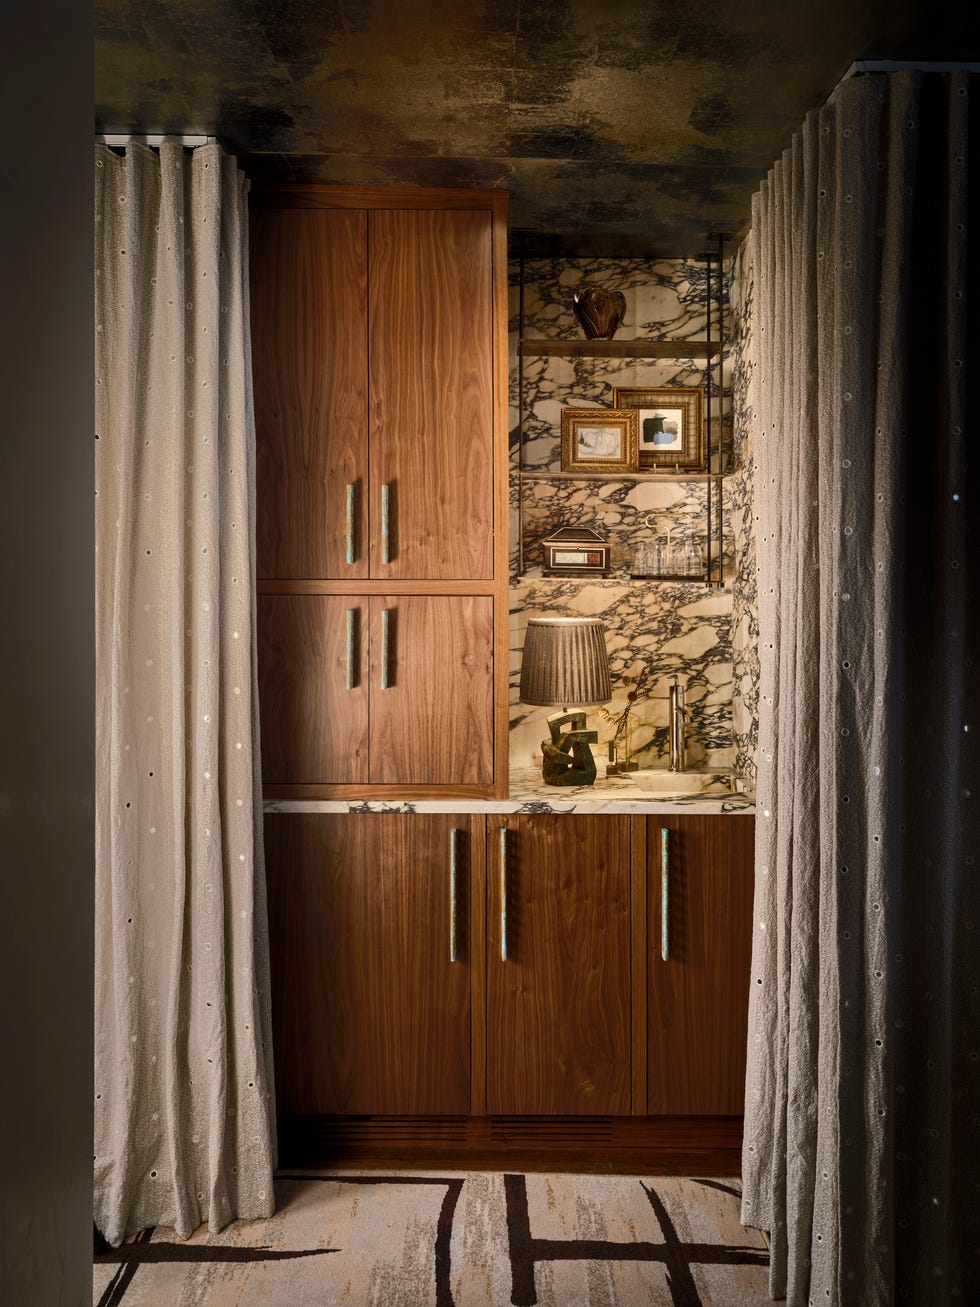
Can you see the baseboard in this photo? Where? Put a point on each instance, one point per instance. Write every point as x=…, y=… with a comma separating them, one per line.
x=624, y=1145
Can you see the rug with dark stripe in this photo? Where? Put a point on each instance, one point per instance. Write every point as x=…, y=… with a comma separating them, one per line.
x=457, y=1239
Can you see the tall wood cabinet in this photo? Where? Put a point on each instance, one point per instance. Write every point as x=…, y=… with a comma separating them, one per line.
x=379, y=363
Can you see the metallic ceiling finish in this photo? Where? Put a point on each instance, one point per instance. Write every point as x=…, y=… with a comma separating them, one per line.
x=620, y=127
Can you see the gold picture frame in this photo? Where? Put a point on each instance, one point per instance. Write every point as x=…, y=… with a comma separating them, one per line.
x=669, y=426
x=599, y=439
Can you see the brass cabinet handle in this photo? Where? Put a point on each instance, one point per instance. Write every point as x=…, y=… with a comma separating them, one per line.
x=386, y=523
x=349, y=523
x=664, y=893
x=350, y=648
x=385, y=639
x=503, y=893
x=453, y=852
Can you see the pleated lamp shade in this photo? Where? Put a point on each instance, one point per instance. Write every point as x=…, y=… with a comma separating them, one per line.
x=565, y=663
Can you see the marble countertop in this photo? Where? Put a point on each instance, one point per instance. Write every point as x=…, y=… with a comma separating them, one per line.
x=528, y=793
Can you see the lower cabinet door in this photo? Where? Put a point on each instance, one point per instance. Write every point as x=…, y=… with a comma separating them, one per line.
x=370, y=1013
x=699, y=895
x=558, y=965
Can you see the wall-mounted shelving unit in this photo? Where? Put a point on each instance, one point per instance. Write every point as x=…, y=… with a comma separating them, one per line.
x=710, y=350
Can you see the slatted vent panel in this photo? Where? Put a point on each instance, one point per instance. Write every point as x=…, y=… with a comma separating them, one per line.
x=552, y=1131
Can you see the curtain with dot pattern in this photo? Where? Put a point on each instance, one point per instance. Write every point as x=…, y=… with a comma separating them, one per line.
x=862, y=1130
x=183, y=1110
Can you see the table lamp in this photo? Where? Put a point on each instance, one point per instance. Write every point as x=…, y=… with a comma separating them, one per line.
x=565, y=663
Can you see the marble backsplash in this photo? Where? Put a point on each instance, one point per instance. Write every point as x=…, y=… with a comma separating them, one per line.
x=666, y=629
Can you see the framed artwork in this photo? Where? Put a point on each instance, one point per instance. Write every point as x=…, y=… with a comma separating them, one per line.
x=669, y=420
x=598, y=439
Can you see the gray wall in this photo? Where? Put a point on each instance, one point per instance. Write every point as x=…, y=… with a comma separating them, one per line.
x=46, y=655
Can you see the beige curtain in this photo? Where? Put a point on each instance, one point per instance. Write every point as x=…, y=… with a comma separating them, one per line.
x=862, y=1132
x=183, y=1108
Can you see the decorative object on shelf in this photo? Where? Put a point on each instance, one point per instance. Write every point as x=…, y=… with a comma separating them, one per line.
x=575, y=550
x=565, y=662
x=599, y=311
x=656, y=560
x=620, y=750
x=669, y=425
x=599, y=439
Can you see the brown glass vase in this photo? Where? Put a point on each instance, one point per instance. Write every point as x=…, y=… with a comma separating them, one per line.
x=599, y=311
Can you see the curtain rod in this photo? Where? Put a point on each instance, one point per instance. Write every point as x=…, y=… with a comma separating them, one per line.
x=154, y=139
x=894, y=65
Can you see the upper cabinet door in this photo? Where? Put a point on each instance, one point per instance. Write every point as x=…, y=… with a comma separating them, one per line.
x=313, y=698
x=431, y=676
x=308, y=292
x=431, y=369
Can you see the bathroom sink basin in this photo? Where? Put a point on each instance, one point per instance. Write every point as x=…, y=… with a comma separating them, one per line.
x=658, y=780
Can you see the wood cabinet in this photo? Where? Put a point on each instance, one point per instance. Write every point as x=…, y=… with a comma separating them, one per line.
x=373, y=365
x=379, y=372
x=558, y=965
x=377, y=689
x=370, y=1012
x=584, y=1042
x=697, y=997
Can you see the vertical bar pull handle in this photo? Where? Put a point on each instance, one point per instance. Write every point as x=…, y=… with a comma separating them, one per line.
x=386, y=523
x=665, y=893
x=385, y=640
x=349, y=523
x=503, y=893
x=350, y=648
x=453, y=855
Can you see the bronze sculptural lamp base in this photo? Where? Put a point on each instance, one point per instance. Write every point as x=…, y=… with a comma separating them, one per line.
x=568, y=759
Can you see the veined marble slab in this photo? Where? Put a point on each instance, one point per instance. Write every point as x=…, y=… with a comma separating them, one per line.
x=528, y=793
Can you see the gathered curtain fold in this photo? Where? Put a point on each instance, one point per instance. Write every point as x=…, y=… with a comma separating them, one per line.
x=184, y=1085
x=862, y=1132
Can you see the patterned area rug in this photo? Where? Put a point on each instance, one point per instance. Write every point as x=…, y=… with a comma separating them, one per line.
x=457, y=1239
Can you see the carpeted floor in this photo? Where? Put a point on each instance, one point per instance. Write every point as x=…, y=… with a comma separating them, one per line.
x=456, y=1239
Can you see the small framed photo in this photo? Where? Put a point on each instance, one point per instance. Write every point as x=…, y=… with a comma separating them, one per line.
x=668, y=426
x=598, y=439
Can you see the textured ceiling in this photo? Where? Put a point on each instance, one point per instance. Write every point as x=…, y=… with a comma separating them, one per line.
x=618, y=126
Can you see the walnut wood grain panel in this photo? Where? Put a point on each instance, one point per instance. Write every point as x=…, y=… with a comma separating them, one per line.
x=698, y=999
x=638, y=963
x=434, y=724
x=558, y=1010
x=432, y=394
x=308, y=291
x=369, y=1013
x=304, y=586
x=313, y=728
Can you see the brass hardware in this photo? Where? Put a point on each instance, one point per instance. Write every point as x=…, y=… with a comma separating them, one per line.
x=385, y=639
x=503, y=893
x=386, y=524
x=453, y=843
x=350, y=648
x=349, y=524
x=665, y=893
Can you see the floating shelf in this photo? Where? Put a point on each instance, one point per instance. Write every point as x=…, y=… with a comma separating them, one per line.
x=621, y=349
x=526, y=475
